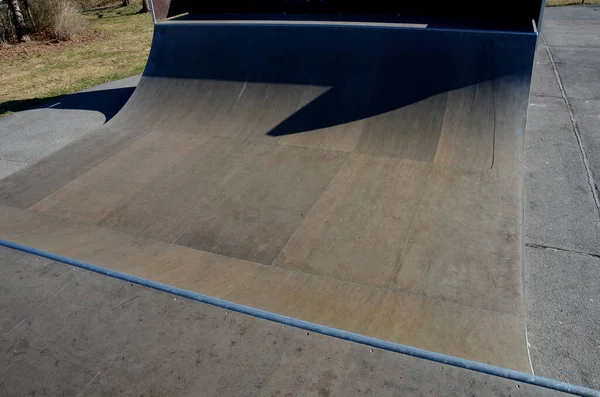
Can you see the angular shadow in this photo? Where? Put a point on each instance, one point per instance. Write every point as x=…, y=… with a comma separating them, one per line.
x=107, y=102
x=367, y=70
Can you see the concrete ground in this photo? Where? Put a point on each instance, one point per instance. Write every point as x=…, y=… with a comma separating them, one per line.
x=562, y=221
x=29, y=136
x=69, y=332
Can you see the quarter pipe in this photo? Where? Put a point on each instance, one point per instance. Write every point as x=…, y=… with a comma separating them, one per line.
x=362, y=175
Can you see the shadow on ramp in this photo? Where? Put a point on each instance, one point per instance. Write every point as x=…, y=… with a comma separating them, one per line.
x=362, y=71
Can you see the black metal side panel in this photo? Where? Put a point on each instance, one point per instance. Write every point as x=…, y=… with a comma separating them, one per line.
x=506, y=15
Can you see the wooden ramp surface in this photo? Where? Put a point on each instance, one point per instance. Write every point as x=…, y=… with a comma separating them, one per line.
x=340, y=175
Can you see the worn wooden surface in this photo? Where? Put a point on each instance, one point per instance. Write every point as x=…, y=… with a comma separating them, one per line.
x=352, y=182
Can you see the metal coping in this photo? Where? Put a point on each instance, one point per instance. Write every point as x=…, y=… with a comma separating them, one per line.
x=381, y=25
x=507, y=13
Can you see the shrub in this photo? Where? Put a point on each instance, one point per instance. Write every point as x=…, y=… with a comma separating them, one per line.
x=59, y=19
x=56, y=19
x=66, y=20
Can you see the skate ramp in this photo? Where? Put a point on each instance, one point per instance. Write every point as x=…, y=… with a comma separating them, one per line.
x=362, y=176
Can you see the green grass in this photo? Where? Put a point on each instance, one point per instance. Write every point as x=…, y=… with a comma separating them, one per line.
x=117, y=47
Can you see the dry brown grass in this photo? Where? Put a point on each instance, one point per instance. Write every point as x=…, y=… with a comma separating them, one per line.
x=45, y=19
x=66, y=21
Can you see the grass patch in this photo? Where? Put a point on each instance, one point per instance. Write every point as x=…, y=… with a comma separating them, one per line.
x=118, y=47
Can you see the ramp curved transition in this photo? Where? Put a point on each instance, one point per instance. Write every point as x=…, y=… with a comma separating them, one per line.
x=362, y=176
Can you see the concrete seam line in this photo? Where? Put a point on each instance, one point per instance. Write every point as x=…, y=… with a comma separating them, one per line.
x=563, y=250
x=575, y=128
x=320, y=329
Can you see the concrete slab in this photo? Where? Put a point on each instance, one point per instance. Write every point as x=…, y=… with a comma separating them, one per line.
x=122, y=340
x=560, y=210
x=34, y=134
x=587, y=12
x=38, y=138
x=99, y=336
x=576, y=26
x=31, y=184
x=544, y=81
x=572, y=33
x=35, y=285
x=587, y=116
x=563, y=315
x=8, y=167
x=50, y=132
x=578, y=70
